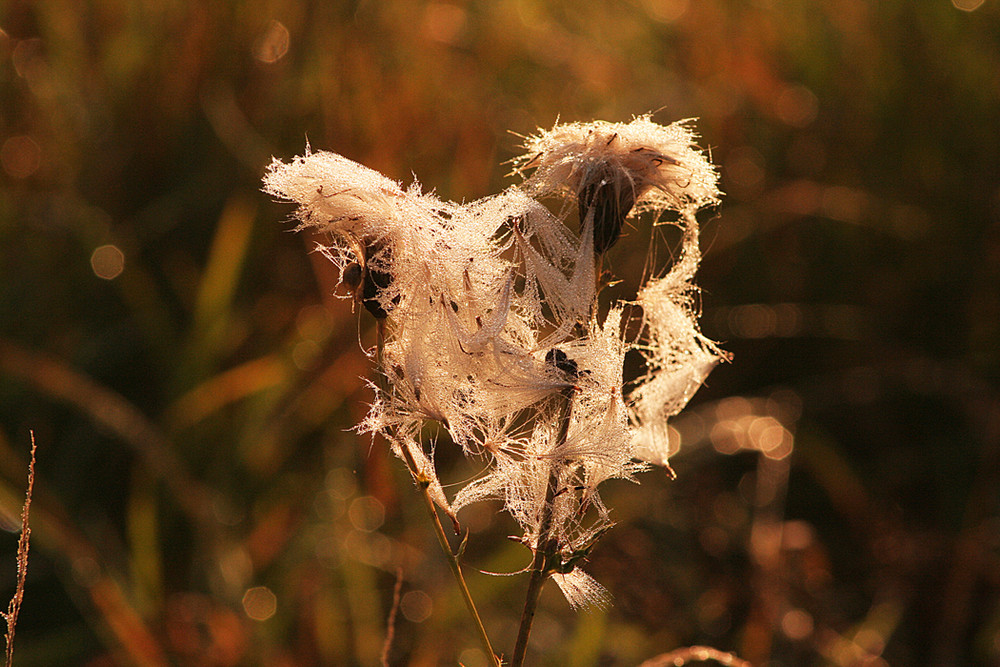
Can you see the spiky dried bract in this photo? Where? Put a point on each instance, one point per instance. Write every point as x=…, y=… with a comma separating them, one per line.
x=492, y=328
x=335, y=194
x=678, y=356
x=582, y=590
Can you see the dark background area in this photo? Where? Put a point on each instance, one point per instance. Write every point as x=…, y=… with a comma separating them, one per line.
x=190, y=377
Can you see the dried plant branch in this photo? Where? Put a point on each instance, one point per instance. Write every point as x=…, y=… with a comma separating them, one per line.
x=127, y=631
x=456, y=568
x=423, y=483
x=539, y=573
x=14, y=608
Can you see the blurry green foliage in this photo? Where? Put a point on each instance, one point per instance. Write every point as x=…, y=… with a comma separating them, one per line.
x=192, y=406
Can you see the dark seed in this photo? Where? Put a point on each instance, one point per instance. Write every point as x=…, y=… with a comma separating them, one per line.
x=375, y=282
x=558, y=358
x=352, y=276
x=611, y=202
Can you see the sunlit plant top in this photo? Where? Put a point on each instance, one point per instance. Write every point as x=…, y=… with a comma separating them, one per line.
x=490, y=323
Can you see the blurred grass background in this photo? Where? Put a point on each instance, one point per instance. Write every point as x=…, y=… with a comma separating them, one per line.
x=191, y=378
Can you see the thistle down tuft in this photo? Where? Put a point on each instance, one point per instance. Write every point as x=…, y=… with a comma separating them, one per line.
x=493, y=327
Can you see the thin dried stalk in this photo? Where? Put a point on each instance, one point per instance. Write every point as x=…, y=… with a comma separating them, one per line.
x=14, y=608
x=423, y=484
x=539, y=573
x=456, y=569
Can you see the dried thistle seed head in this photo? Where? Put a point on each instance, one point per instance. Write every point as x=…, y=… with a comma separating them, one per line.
x=660, y=165
x=490, y=325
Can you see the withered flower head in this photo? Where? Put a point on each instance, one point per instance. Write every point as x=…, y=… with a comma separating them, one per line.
x=489, y=324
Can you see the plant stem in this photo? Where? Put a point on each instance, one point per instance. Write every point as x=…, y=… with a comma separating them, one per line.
x=539, y=573
x=423, y=483
x=545, y=547
x=456, y=568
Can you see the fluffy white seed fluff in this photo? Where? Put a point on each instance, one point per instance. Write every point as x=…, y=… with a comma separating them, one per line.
x=660, y=163
x=492, y=325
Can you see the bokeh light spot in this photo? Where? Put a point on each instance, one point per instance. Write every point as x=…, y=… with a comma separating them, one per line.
x=314, y=322
x=712, y=609
x=107, y=262
x=86, y=571
x=366, y=514
x=472, y=657
x=304, y=354
x=341, y=483
x=20, y=156
x=871, y=640
x=744, y=172
x=788, y=319
x=754, y=320
x=235, y=566
x=797, y=535
x=272, y=45
x=796, y=106
x=667, y=11
x=797, y=624
x=967, y=5
x=416, y=606
x=844, y=203
x=725, y=437
x=771, y=438
x=733, y=407
x=260, y=603
x=690, y=429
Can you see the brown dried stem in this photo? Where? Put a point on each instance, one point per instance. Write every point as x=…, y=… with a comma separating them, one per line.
x=14, y=608
x=423, y=483
x=545, y=547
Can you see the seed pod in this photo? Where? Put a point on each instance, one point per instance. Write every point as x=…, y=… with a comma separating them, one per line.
x=611, y=196
x=558, y=358
x=375, y=282
x=352, y=275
